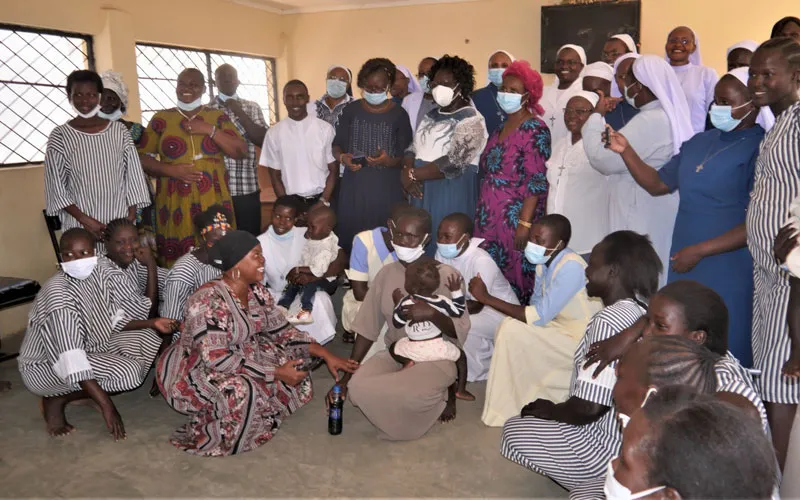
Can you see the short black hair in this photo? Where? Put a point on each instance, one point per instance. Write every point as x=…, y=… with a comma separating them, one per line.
x=463, y=73
x=398, y=209
x=115, y=225
x=287, y=201
x=560, y=226
x=674, y=360
x=789, y=48
x=76, y=233
x=703, y=309
x=708, y=448
x=194, y=70
x=206, y=217
x=375, y=65
x=423, y=275
x=778, y=27
x=326, y=213
x=84, y=76
x=421, y=215
x=463, y=220
x=296, y=82
x=636, y=262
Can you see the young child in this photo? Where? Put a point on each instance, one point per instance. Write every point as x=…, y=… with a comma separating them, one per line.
x=425, y=341
x=320, y=250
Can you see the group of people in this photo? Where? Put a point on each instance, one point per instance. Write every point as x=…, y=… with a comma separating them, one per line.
x=584, y=247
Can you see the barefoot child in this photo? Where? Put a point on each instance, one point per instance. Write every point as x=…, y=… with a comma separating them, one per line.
x=425, y=341
x=320, y=250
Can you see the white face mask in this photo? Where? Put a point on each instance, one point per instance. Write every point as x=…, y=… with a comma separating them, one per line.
x=443, y=95
x=408, y=255
x=90, y=114
x=615, y=490
x=80, y=269
x=116, y=115
x=625, y=419
x=190, y=106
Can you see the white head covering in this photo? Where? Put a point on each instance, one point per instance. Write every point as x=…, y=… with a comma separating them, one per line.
x=744, y=44
x=113, y=82
x=581, y=55
x=499, y=51
x=694, y=57
x=349, y=73
x=413, y=84
x=589, y=96
x=599, y=69
x=628, y=41
x=615, y=91
x=658, y=76
x=765, y=116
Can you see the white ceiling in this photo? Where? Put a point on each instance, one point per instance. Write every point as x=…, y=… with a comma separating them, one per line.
x=303, y=6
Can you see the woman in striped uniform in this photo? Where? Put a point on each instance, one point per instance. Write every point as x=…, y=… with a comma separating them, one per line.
x=83, y=340
x=193, y=270
x=572, y=442
x=774, y=82
x=92, y=172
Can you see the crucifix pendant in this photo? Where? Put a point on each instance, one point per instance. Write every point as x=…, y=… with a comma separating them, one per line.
x=699, y=168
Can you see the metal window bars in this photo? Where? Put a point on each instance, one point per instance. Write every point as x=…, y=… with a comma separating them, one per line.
x=158, y=67
x=34, y=65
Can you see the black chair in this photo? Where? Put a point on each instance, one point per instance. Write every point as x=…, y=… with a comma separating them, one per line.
x=53, y=224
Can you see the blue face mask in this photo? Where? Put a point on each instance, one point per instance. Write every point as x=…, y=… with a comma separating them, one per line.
x=425, y=83
x=509, y=102
x=375, y=98
x=630, y=99
x=722, y=117
x=449, y=250
x=190, y=106
x=116, y=115
x=225, y=97
x=335, y=88
x=279, y=237
x=536, y=253
x=496, y=76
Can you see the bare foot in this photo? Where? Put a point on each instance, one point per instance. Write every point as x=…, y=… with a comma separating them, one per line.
x=54, y=417
x=465, y=395
x=5, y=385
x=408, y=364
x=449, y=413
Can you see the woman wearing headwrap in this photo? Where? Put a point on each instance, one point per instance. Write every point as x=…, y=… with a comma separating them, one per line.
x=739, y=54
x=485, y=99
x=418, y=104
x=616, y=46
x=697, y=81
x=404, y=85
x=338, y=94
x=239, y=369
x=570, y=61
x=656, y=133
x=714, y=173
x=513, y=192
x=599, y=77
x=576, y=190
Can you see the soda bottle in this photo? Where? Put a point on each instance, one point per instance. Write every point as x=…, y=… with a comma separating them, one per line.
x=335, y=412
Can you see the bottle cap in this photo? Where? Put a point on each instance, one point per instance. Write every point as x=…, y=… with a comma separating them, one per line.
x=337, y=389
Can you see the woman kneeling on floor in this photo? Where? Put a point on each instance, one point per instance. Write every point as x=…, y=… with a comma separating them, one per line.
x=239, y=368
x=82, y=340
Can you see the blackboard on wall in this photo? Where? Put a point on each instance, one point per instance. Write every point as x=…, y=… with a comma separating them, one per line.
x=587, y=25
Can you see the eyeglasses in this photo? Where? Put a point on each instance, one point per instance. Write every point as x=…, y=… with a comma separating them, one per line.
x=682, y=41
x=577, y=112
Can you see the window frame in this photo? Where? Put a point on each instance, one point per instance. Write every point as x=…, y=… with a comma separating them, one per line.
x=209, y=72
x=90, y=65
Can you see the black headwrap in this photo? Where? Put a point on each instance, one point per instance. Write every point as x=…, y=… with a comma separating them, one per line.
x=231, y=248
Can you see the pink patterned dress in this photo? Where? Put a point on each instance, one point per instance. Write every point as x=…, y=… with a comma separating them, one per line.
x=512, y=169
x=221, y=372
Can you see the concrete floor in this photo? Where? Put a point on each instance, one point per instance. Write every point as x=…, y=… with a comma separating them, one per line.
x=460, y=459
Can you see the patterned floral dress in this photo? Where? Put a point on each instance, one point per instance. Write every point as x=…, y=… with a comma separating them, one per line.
x=222, y=371
x=512, y=169
x=176, y=203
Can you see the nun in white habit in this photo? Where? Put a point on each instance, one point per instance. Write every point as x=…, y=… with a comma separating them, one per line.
x=739, y=54
x=282, y=253
x=656, y=133
x=697, y=81
x=568, y=82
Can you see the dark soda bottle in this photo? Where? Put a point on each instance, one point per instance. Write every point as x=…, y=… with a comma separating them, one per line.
x=335, y=412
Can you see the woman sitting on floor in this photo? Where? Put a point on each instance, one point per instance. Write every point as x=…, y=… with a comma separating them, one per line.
x=239, y=368
x=81, y=342
x=572, y=442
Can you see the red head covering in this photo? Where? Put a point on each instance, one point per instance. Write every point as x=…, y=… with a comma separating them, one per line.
x=531, y=80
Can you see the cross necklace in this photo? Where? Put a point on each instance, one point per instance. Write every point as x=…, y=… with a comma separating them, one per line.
x=709, y=156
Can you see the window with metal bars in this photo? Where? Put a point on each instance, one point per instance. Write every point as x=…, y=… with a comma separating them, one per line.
x=158, y=67
x=34, y=65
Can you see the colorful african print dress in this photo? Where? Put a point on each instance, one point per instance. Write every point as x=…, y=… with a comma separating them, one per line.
x=222, y=371
x=512, y=169
x=176, y=202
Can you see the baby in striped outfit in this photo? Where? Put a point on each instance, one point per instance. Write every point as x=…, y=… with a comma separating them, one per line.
x=424, y=341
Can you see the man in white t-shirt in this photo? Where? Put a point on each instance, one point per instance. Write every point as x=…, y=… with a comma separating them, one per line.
x=297, y=152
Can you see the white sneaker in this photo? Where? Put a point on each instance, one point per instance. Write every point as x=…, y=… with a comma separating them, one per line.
x=301, y=318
